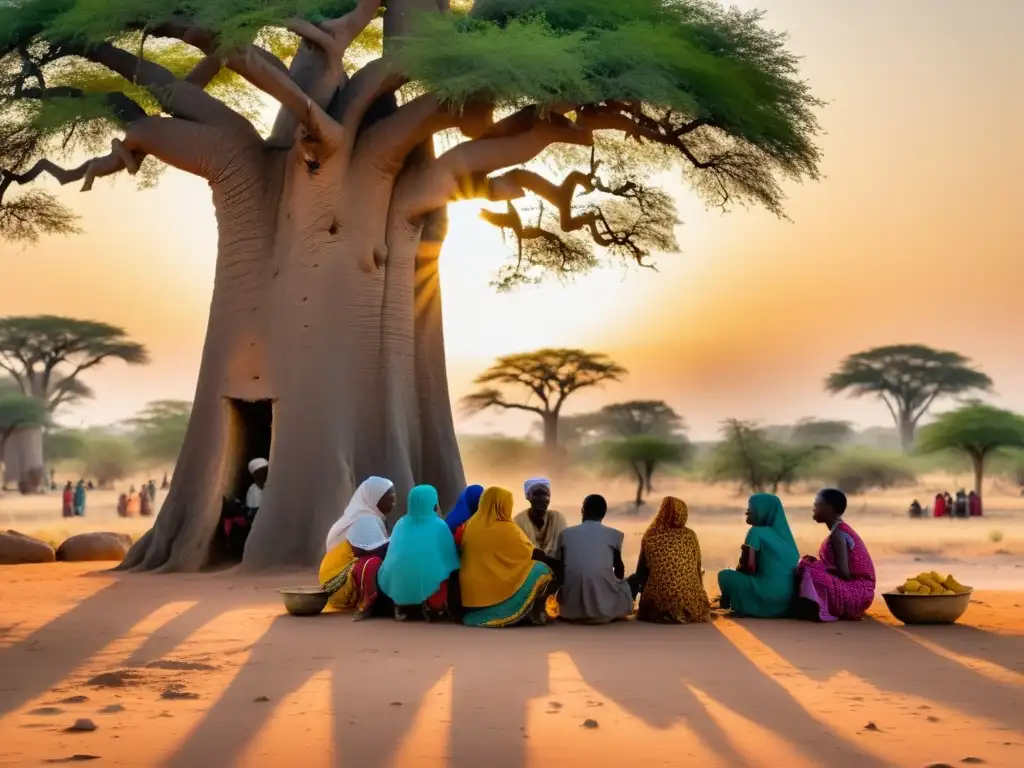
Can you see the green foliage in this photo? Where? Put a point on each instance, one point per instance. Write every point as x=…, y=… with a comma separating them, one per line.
x=20, y=412
x=65, y=444
x=748, y=457
x=976, y=429
x=707, y=88
x=821, y=432
x=908, y=378
x=63, y=347
x=159, y=430
x=856, y=471
x=109, y=458
x=641, y=455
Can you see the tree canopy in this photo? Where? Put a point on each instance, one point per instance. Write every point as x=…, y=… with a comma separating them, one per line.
x=544, y=380
x=756, y=463
x=685, y=82
x=908, y=378
x=19, y=412
x=640, y=455
x=159, y=429
x=977, y=430
x=45, y=354
x=821, y=432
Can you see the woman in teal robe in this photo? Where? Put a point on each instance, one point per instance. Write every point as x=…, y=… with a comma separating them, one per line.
x=421, y=557
x=763, y=583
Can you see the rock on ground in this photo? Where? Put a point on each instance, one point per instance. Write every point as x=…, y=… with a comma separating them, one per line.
x=94, y=546
x=19, y=549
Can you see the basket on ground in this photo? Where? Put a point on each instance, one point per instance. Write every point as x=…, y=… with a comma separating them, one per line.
x=927, y=609
x=303, y=601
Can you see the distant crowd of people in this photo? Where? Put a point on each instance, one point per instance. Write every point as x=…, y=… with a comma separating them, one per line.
x=134, y=503
x=963, y=505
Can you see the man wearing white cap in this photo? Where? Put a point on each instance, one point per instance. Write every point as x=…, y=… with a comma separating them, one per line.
x=542, y=526
x=258, y=468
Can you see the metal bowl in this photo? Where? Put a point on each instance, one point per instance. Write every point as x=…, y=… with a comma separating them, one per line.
x=927, y=609
x=303, y=601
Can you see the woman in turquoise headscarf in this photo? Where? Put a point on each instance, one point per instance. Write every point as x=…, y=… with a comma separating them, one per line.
x=421, y=557
x=763, y=583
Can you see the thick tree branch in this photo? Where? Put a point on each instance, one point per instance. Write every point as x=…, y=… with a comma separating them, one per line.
x=386, y=144
x=376, y=79
x=176, y=97
x=454, y=174
x=198, y=149
x=320, y=126
x=345, y=29
x=204, y=71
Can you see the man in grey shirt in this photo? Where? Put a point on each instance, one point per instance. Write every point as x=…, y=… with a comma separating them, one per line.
x=593, y=589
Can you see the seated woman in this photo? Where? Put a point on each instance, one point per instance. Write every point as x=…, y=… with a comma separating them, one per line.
x=465, y=508
x=762, y=584
x=840, y=583
x=668, y=572
x=355, y=541
x=421, y=557
x=504, y=580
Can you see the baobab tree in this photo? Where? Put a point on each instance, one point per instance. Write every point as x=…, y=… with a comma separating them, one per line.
x=544, y=380
x=325, y=299
x=46, y=356
x=908, y=378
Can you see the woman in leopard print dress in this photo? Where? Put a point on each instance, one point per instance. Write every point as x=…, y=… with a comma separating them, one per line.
x=668, y=573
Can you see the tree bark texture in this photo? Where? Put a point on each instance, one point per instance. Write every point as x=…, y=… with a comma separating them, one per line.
x=23, y=453
x=349, y=350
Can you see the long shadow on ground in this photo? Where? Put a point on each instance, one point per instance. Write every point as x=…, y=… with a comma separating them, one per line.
x=700, y=656
x=890, y=661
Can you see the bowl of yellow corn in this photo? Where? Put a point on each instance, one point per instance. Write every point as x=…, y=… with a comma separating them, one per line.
x=929, y=598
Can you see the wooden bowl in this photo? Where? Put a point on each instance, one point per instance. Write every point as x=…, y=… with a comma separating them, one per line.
x=303, y=601
x=927, y=609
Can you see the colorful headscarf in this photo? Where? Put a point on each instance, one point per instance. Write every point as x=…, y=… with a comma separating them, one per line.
x=496, y=555
x=363, y=504
x=465, y=507
x=421, y=554
x=534, y=483
x=769, y=513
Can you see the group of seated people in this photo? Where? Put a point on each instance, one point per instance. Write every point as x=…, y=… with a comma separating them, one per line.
x=485, y=567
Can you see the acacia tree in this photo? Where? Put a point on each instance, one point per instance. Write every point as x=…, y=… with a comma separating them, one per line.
x=546, y=378
x=755, y=462
x=976, y=429
x=45, y=355
x=159, y=429
x=326, y=297
x=641, y=455
x=908, y=378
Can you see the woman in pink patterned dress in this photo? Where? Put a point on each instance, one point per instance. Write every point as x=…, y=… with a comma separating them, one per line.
x=840, y=583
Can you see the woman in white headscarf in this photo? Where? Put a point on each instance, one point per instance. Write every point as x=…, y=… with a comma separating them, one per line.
x=356, y=545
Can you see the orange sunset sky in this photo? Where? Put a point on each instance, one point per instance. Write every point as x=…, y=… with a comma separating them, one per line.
x=915, y=234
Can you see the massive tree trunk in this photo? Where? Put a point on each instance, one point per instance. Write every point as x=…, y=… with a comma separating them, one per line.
x=23, y=459
x=342, y=333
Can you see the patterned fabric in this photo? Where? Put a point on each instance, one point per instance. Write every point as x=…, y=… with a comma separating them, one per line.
x=364, y=574
x=674, y=591
x=336, y=577
x=526, y=605
x=837, y=598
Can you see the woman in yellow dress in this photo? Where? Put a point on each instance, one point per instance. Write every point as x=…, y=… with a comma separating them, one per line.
x=356, y=545
x=504, y=579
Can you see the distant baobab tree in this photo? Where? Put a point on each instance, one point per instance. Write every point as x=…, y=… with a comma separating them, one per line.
x=908, y=378
x=545, y=379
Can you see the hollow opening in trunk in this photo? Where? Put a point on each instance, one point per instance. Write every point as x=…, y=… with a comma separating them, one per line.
x=251, y=435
